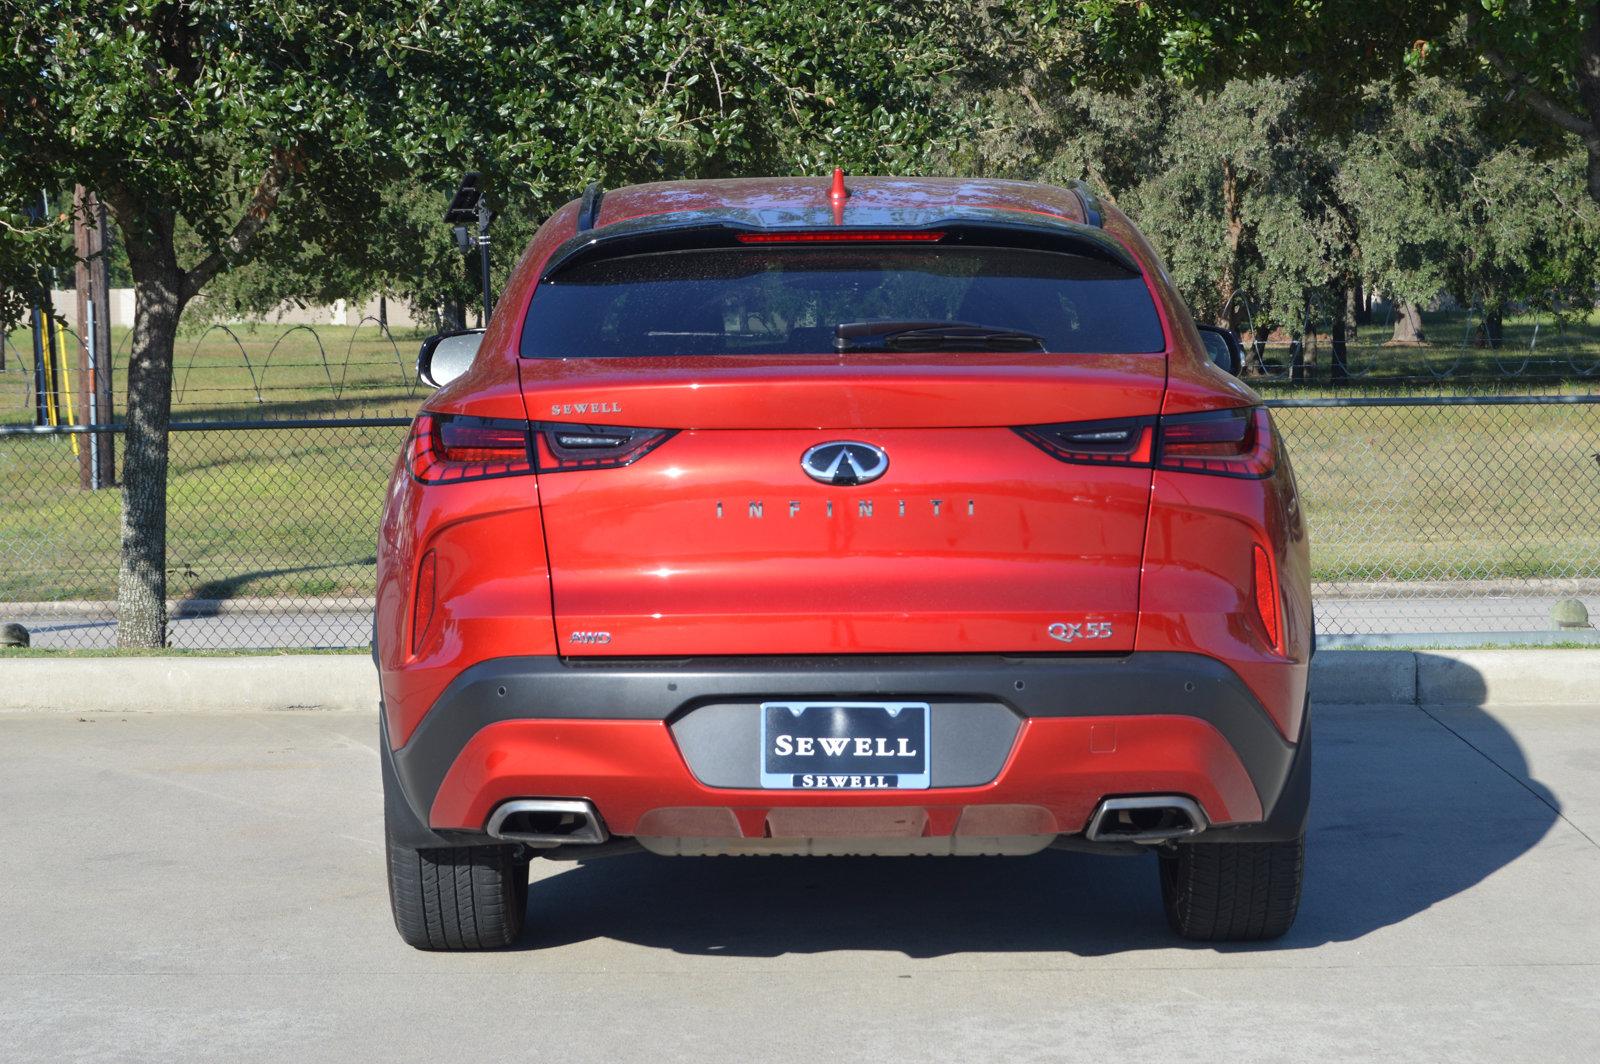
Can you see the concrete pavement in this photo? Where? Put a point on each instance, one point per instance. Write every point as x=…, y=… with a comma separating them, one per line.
x=210, y=887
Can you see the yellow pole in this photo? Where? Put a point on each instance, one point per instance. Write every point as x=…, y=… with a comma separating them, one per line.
x=65, y=375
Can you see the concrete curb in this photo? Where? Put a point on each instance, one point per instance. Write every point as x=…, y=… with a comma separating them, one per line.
x=293, y=682
x=188, y=685
x=1455, y=677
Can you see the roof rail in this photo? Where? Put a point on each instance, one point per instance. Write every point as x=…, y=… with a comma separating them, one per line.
x=589, y=208
x=1091, y=203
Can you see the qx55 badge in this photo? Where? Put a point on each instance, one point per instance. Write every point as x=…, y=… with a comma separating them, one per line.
x=1087, y=630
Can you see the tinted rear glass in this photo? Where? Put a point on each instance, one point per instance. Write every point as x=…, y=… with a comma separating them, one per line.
x=751, y=301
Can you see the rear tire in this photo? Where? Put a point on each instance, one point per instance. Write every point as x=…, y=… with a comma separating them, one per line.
x=1233, y=891
x=461, y=898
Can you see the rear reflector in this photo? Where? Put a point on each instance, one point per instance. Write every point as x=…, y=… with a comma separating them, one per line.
x=422, y=601
x=1267, y=599
x=859, y=236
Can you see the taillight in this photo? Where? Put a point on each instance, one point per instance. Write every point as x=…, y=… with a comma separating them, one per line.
x=1266, y=586
x=447, y=448
x=1127, y=442
x=561, y=448
x=1229, y=443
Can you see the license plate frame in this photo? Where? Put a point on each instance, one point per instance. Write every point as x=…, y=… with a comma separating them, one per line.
x=889, y=736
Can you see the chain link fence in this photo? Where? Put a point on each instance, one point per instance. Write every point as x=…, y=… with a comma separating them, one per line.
x=271, y=534
x=1448, y=514
x=1427, y=515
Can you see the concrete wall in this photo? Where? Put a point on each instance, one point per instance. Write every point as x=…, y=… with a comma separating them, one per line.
x=340, y=313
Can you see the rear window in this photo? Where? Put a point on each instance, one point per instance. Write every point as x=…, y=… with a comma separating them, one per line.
x=781, y=301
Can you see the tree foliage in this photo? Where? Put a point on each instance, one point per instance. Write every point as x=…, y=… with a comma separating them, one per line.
x=34, y=251
x=551, y=96
x=1247, y=188
x=1446, y=205
x=218, y=133
x=251, y=153
x=1545, y=53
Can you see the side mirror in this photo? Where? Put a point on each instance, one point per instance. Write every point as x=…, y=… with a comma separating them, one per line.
x=1224, y=348
x=447, y=356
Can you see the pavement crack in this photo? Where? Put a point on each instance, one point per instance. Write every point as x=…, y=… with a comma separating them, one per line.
x=1552, y=806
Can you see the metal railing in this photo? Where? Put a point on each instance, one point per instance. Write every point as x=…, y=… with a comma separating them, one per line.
x=1434, y=514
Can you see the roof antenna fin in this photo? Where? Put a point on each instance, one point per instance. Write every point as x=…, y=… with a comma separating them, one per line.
x=837, y=194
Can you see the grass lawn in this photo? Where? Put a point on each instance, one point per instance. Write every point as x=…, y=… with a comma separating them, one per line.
x=1448, y=493
x=254, y=371
x=270, y=513
x=1533, y=348
x=1451, y=493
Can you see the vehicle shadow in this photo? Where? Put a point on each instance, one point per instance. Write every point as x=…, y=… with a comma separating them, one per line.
x=1405, y=814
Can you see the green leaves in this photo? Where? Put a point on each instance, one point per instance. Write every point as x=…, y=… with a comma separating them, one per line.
x=174, y=110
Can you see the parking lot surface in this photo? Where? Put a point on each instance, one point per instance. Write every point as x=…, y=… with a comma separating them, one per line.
x=210, y=888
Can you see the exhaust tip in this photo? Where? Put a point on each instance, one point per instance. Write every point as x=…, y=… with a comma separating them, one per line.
x=546, y=822
x=1147, y=819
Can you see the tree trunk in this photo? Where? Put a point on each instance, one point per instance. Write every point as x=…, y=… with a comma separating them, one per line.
x=1302, y=349
x=1493, y=329
x=1228, y=284
x=1360, y=305
x=453, y=316
x=1407, y=324
x=142, y=575
x=1588, y=78
x=1339, y=363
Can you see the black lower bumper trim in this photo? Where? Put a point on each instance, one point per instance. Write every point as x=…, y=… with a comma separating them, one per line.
x=1138, y=684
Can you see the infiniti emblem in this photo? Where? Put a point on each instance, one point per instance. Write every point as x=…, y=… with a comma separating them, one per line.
x=844, y=462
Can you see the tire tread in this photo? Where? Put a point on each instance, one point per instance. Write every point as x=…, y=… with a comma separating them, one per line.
x=465, y=898
x=1233, y=891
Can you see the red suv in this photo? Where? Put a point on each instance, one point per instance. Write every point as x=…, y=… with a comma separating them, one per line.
x=869, y=516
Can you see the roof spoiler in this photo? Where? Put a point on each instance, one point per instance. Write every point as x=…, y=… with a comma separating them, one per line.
x=1091, y=203
x=692, y=230
x=589, y=206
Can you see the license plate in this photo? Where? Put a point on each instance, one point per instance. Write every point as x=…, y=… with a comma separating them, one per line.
x=844, y=746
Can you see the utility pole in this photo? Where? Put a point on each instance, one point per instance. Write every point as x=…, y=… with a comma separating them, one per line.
x=467, y=208
x=97, y=461
x=36, y=211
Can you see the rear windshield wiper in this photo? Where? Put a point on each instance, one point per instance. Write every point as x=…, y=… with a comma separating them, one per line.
x=931, y=336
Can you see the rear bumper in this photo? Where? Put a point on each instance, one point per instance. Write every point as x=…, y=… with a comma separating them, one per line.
x=1034, y=743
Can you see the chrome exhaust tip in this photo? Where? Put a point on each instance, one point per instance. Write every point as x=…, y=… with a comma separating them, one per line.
x=1148, y=819
x=546, y=822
